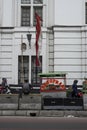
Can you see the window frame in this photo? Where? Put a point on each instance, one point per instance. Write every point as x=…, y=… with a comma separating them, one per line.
x=35, y=79
x=23, y=68
x=85, y=12
x=22, y=21
x=32, y=6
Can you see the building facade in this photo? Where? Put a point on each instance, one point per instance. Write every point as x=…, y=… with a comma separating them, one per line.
x=63, y=45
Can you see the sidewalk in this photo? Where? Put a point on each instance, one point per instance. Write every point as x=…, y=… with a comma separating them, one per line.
x=31, y=105
x=44, y=113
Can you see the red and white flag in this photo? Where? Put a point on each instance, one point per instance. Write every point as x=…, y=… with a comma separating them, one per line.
x=38, y=32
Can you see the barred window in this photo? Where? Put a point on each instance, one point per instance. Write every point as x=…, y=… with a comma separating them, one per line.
x=23, y=68
x=25, y=16
x=39, y=12
x=28, y=9
x=25, y=1
x=35, y=79
x=38, y=1
x=86, y=12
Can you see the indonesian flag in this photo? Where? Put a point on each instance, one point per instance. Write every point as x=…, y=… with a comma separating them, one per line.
x=38, y=32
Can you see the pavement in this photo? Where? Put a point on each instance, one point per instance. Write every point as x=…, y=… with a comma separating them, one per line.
x=31, y=106
x=44, y=113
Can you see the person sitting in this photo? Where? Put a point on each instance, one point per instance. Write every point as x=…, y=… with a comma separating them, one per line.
x=26, y=87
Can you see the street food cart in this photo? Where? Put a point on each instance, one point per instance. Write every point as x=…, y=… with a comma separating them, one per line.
x=53, y=84
x=53, y=92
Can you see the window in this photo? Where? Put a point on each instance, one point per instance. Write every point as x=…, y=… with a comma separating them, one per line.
x=38, y=1
x=35, y=79
x=28, y=9
x=25, y=16
x=39, y=12
x=86, y=12
x=25, y=1
x=23, y=68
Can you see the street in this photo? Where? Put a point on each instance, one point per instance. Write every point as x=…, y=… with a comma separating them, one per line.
x=43, y=123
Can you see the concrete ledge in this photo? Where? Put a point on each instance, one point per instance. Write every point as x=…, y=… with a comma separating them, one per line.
x=36, y=98
x=43, y=113
x=9, y=98
x=68, y=113
x=59, y=94
x=9, y=101
x=85, y=101
x=8, y=106
x=81, y=113
x=8, y=113
x=51, y=113
x=30, y=106
x=20, y=113
x=30, y=102
x=33, y=113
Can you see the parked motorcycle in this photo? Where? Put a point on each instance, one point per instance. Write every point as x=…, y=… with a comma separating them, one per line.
x=5, y=90
x=78, y=95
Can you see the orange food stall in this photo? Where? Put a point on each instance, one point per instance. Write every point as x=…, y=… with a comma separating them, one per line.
x=53, y=84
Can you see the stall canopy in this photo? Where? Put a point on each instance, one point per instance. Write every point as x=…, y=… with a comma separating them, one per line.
x=57, y=75
x=54, y=74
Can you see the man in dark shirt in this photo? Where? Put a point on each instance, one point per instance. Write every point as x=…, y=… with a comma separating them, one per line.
x=26, y=87
x=74, y=88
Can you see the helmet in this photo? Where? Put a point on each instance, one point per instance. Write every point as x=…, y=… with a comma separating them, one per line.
x=85, y=78
x=75, y=81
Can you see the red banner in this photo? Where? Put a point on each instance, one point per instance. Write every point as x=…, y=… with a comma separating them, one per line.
x=38, y=31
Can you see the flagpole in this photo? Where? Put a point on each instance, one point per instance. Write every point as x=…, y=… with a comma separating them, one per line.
x=22, y=71
x=36, y=75
x=36, y=61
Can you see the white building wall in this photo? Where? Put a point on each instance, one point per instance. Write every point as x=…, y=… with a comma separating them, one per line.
x=0, y=12
x=84, y=50
x=67, y=51
x=6, y=54
x=8, y=13
x=50, y=13
x=70, y=52
x=64, y=37
x=69, y=12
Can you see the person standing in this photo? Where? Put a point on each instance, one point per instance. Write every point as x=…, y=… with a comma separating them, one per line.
x=4, y=82
x=84, y=84
x=5, y=86
x=74, y=88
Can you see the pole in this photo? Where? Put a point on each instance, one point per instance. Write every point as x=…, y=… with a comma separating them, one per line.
x=22, y=71
x=36, y=75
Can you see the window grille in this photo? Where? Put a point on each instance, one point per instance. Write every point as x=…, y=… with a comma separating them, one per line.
x=23, y=68
x=28, y=9
x=39, y=12
x=25, y=1
x=35, y=79
x=25, y=16
x=38, y=1
x=86, y=12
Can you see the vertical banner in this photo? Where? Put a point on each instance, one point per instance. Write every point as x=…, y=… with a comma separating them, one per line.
x=38, y=32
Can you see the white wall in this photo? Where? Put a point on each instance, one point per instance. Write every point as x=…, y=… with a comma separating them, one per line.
x=64, y=49
x=50, y=12
x=8, y=13
x=6, y=55
x=69, y=12
x=70, y=52
x=0, y=12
